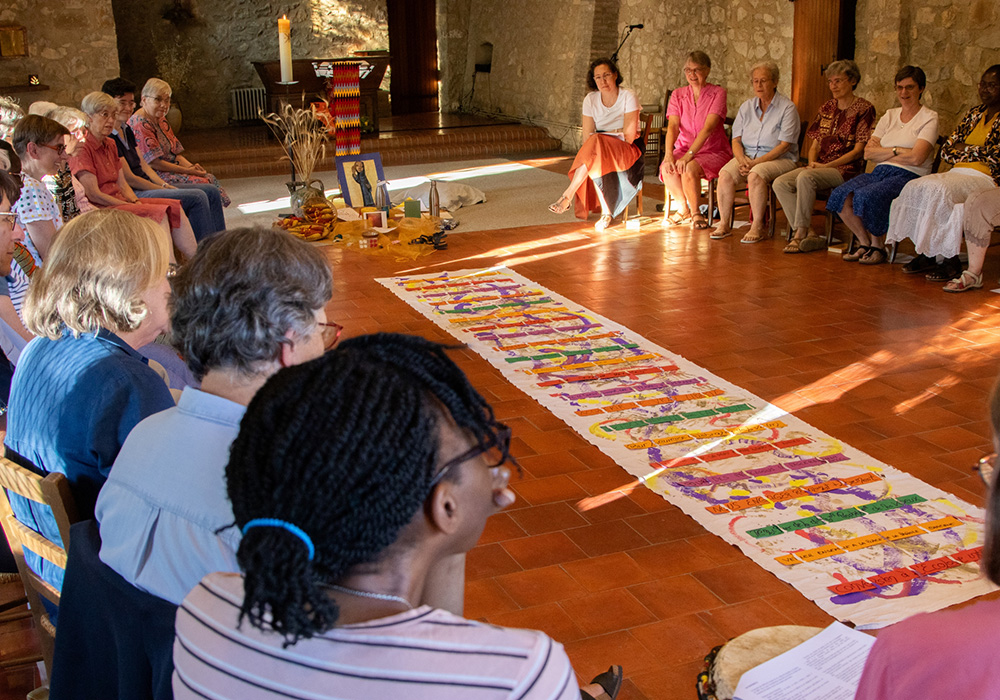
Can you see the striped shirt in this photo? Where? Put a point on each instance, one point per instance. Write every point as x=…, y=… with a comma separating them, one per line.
x=421, y=654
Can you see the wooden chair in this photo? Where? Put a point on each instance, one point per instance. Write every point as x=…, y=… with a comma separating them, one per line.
x=53, y=491
x=646, y=120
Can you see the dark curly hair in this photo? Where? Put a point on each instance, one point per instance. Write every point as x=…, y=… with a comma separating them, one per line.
x=244, y=289
x=591, y=84
x=344, y=447
x=10, y=186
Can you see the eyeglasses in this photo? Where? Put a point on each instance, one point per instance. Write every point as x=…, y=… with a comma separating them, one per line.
x=604, y=76
x=985, y=467
x=60, y=149
x=497, y=451
x=331, y=334
x=161, y=100
x=10, y=217
x=693, y=71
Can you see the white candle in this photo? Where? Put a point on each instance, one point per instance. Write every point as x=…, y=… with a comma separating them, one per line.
x=285, y=48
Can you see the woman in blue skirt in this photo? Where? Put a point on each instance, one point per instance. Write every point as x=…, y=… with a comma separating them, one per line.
x=903, y=146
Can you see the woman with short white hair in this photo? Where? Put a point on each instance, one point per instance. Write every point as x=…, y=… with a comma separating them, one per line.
x=765, y=145
x=98, y=167
x=157, y=143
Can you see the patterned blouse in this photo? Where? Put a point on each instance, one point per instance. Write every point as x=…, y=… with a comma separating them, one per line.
x=988, y=154
x=840, y=130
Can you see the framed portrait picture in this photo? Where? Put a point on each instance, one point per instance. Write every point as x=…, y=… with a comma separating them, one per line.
x=376, y=219
x=358, y=176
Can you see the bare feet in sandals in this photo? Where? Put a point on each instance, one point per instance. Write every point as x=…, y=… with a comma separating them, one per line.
x=754, y=235
x=678, y=218
x=721, y=231
x=700, y=223
x=560, y=205
x=603, y=223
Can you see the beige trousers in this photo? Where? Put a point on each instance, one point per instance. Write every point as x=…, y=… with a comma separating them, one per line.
x=982, y=215
x=796, y=190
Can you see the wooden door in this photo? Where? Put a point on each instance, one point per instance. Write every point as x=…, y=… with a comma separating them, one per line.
x=413, y=50
x=823, y=33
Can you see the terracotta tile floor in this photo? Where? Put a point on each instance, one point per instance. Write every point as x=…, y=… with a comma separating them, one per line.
x=879, y=359
x=884, y=361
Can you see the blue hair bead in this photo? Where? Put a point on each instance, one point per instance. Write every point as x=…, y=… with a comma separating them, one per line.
x=290, y=527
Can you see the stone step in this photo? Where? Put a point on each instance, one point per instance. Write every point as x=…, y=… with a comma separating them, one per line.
x=269, y=162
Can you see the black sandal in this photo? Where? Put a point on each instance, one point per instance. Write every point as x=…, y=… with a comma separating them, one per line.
x=859, y=252
x=948, y=270
x=919, y=264
x=611, y=681
x=874, y=256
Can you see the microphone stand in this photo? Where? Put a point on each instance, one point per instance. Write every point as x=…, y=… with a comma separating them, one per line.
x=614, y=56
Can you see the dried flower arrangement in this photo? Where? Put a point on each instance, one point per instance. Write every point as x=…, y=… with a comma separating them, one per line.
x=303, y=136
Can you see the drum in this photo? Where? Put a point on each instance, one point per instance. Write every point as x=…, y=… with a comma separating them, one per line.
x=726, y=664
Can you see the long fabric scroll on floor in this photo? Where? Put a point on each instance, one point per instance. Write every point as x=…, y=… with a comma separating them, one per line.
x=868, y=543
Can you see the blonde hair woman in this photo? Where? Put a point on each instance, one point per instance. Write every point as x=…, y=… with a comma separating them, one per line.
x=157, y=143
x=81, y=385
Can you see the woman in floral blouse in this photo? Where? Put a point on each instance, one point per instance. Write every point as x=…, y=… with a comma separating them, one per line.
x=157, y=143
x=929, y=209
x=839, y=134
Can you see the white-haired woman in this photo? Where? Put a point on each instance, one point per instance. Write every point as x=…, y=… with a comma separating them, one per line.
x=81, y=385
x=157, y=143
x=765, y=145
x=839, y=133
x=98, y=167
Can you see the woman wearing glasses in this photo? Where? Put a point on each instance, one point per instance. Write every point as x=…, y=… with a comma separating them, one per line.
x=249, y=303
x=695, y=143
x=157, y=143
x=606, y=171
x=357, y=479
x=40, y=143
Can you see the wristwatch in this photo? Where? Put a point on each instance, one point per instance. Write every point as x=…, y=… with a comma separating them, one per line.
x=894, y=151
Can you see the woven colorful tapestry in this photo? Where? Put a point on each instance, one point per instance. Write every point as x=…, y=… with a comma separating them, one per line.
x=868, y=543
x=345, y=102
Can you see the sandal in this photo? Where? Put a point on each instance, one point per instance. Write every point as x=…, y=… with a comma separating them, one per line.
x=946, y=271
x=966, y=281
x=603, y=223
x=676, y=219
x=793, y=246
x=611, y=681
x=718, y=234
x=560, y=205
x=752, y=236
x=919, y=264
x=700, y=223
x=874, y=256
x=858, y=253
x=811, y=243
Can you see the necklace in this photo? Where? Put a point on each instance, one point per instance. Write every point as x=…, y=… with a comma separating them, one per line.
x=368, y=594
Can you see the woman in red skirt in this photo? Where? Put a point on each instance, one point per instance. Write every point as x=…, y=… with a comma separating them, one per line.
x=605, y=176
x=98, y=167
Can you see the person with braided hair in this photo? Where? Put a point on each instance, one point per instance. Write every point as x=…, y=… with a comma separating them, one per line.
x=353, y=478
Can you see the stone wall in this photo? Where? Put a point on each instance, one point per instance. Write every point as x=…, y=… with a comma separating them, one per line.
x=205, y=55
x=69, y=66
x=541, y=51
x=538, y=63
x=952, y=42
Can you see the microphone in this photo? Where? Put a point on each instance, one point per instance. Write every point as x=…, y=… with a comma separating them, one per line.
x=635, y=26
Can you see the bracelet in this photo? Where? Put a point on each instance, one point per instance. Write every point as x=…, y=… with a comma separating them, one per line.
x=691, y=153
x=894, y=151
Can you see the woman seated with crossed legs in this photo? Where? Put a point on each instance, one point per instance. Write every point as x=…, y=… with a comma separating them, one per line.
x=603, y=175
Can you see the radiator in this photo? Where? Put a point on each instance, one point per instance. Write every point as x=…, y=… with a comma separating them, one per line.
x=247, y=102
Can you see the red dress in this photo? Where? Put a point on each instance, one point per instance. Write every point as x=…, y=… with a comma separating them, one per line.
x=100, y=157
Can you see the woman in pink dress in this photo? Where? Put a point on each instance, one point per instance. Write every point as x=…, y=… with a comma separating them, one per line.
x=157, y=144
x=695, y=143
x=97, y=166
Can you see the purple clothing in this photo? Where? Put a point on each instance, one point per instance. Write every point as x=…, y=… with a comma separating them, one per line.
x=716, y=151
x=946, y=654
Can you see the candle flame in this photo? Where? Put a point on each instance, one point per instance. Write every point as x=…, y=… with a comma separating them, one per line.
x=284, y=16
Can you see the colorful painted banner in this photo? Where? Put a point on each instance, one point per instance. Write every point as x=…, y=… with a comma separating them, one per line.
x=868, y=543
x=345, y=97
